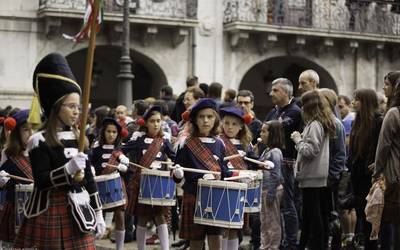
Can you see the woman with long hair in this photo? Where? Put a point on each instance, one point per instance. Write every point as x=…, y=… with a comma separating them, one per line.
x=363, y=142
x=148, y=147
x=52, y=212
x=17, y=164
x=107, y=150
x=387, y=165
x=389, y=83
x=312, y=167
x=237, y=139
x=202, y=149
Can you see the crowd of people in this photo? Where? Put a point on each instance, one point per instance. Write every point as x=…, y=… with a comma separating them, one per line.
x=330, y=165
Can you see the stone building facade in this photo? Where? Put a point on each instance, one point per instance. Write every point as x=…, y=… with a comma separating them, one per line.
x=243, y=44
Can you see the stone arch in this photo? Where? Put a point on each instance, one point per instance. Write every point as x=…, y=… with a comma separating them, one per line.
x=149, y=76
x=259, y=77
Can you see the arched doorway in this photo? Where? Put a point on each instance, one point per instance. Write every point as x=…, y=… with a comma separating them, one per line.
x=259, y=78
x=147, y=82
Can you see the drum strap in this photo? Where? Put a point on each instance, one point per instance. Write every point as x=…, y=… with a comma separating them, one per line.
x=230, y=149
x=151, y=152
x=113, y=161
x=23, y=164
x=203, y=154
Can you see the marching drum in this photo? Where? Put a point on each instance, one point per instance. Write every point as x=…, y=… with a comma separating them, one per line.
x=220, y=203
x=22, y=193
x=110, y=190
x=157, y=188
x=253, y=197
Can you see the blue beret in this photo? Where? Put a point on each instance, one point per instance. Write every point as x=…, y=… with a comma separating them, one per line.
x=202, y=104
x=110, y=120
x=21, y=116
x=153, y=108
x=232, y=111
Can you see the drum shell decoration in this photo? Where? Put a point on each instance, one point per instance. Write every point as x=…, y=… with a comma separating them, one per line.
x=110, y=190
x=220, y=203
x=22, y=194
x=157, y=188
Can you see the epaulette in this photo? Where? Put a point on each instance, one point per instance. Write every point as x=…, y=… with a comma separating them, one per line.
x=95, y=144
x=167, y=136
x=34, y=140
x=136, y=135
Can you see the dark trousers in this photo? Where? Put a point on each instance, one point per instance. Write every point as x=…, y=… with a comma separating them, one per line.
x=314, y=219
x=254, y=220
x=288, y=208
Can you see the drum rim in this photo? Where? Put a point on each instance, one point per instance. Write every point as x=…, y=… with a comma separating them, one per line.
x=106, y=177
x=23, y=187
x=158, y=201
x=155, y=172
x=222, y=184
x=114, y=204
x=219, y=223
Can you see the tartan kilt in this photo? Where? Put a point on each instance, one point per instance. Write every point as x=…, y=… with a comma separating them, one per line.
x=188, y=229
x=149, y=211
x=133, y=193
x=7, y=218
x=55, y=228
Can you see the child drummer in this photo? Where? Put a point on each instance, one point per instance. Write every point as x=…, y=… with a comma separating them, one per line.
x=107, y=150
x=237, y=139
x=148, y=147
x=202, y=150
x=17, y=164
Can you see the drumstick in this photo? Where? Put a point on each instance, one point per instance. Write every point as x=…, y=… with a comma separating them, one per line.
x=166, y=162
x=116, y=167
x=18, y=178
x=235, y=178
x=257, y=162
x=195, y=170
x=227, y=158
x=137, y=165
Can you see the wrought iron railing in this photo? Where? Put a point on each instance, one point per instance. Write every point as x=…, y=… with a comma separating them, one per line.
x=180, y=9
x=361, y=16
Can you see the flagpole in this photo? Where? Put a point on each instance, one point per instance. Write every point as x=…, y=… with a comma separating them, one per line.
x=86, y=85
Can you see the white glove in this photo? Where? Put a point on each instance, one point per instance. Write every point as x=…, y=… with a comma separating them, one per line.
x=122, y=168
x=295, y=136
x=123, y=159
x=3, y=178
x=155, y=165
x=271, y=165
x=78, y=162
x=100, y=224
x=208, y=177
x=178, y=172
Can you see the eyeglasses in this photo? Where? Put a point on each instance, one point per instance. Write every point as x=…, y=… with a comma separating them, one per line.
x=72, y=106
x=245, y=103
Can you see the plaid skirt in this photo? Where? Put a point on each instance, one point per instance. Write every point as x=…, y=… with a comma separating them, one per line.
x=7, y=218
x=55, y=228
x=148, y=211
x=132, y=190
x=188, y=229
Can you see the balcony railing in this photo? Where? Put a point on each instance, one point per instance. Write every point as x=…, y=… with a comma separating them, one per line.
x=175, y=9
x=354, y=16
